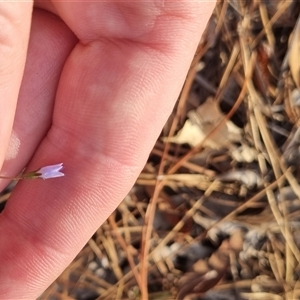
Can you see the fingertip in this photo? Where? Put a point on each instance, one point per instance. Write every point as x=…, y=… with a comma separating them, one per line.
x=15, y=19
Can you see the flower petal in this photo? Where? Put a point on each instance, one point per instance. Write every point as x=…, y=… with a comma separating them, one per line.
x=51, y=171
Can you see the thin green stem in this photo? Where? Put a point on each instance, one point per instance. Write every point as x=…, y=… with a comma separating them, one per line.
x=11, y=178
x=31, y=175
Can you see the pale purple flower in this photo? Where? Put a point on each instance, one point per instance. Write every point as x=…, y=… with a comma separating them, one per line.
x=50, y=171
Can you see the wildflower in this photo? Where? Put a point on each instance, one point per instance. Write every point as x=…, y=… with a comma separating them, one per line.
x=47, y=172
x=51, y=171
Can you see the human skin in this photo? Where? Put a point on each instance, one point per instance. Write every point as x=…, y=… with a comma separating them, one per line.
x=101, y=79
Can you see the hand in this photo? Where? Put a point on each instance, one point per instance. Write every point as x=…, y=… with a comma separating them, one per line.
x=101, y=79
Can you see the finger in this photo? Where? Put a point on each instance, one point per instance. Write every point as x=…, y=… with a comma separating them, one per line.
x=51, y=41
x=15, y=24
x=112, y=101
